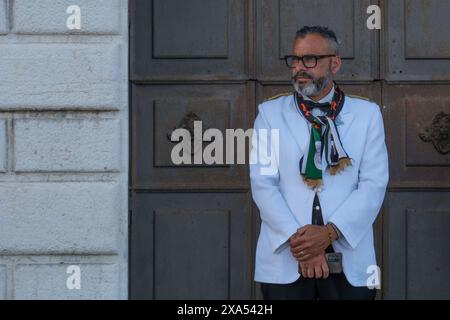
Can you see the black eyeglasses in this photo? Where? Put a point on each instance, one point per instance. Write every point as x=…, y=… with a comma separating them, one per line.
x=309, y=61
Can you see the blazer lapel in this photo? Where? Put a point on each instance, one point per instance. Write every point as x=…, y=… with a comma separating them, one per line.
x=343, y=123
x=296, y=124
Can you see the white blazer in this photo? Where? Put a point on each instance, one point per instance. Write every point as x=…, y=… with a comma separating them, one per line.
x=351, y=199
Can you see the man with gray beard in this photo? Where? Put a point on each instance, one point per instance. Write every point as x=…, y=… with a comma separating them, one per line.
x=317, y=210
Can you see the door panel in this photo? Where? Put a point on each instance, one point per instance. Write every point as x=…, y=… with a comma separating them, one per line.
x=417, y=120
x=159, y=109
x=417, y=260
x=187, y=40
x=416, y=41
x=191, y=246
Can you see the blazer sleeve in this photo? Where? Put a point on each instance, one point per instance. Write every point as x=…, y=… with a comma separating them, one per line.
x=264, y=177
x=356, y=215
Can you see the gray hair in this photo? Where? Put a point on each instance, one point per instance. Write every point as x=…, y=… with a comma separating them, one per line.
x=324, y=32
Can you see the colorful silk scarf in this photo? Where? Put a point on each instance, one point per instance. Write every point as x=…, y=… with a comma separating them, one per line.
x=324, y=137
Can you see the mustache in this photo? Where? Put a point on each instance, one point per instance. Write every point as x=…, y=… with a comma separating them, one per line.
x=302, y=75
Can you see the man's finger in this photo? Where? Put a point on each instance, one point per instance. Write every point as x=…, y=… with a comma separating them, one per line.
x=325, y=270
x=305, y=251
x=302, y=254
x=305, y=257
x=303, y=270
x=302, y=247
x=302, y=230
x=310, y=271
x=295, y=250
x=304, y=238
x=294, y=241
x=305, y=245
x=318, y=271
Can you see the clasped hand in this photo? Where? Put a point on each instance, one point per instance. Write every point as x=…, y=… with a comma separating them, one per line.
x=308, y=246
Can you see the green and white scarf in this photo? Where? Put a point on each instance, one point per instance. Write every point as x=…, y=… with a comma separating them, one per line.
x=324, y=137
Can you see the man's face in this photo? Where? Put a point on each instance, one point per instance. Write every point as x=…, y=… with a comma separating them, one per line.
x=310, y=81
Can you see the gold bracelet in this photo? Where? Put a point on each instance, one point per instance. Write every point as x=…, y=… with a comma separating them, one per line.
x=330, y=238
x=338, y=233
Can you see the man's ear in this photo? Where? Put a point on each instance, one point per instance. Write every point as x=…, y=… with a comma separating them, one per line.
x=336, y=63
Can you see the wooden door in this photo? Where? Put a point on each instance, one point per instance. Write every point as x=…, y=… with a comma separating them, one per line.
x=193, y=228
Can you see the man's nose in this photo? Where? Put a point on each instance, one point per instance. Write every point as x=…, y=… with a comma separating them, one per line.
x=299, y=67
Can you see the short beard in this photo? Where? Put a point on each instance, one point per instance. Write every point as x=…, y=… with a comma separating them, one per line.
x=317, y=85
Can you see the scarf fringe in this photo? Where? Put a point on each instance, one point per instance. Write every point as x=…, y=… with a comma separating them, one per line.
x=313, y=183
x=343, y=162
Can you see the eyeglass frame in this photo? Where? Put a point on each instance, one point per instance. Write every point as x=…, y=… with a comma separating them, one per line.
x=317, y=57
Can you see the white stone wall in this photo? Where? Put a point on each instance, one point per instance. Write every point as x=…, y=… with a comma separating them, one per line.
x=63, y=149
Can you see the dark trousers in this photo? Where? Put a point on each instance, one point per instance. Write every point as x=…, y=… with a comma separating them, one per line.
x=335, y=287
